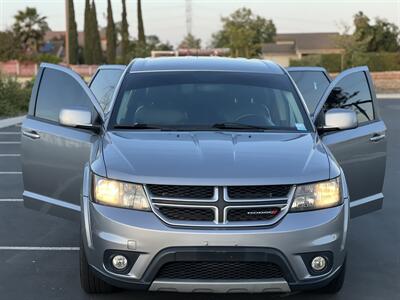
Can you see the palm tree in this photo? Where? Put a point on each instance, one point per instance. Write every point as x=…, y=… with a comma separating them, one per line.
x=30, y=28
x=141, y=35
x=124, y=34
x=88, y=45
x=72, y=35
x=111, y=35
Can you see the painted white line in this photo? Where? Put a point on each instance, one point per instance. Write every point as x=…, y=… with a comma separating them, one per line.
x=10, y=173
x=10, y=155
x=11, y=121
x=10, y=143
x=39, y=248
x=11, y=200
x=9, y=133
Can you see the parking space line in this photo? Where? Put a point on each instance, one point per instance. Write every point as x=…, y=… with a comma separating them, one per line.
x=10, y=155
x=10, y=133
x=11, y=200
x=10, y=173
x=10, y=143
x=39, y=248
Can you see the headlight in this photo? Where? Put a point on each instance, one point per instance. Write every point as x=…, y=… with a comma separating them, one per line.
x=119, y=194
x=317, y=195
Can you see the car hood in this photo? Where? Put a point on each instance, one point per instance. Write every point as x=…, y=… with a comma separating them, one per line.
x=214, y=158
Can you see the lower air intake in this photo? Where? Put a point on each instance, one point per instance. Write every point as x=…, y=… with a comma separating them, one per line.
x=220, y=270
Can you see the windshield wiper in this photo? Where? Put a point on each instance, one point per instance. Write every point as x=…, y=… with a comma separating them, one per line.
x=233, y=125
x=140, y=126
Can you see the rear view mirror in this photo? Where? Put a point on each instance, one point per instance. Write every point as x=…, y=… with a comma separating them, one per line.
x=79, y=118
x=339, y=119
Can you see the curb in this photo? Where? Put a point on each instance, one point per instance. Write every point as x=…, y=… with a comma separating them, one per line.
x=11, y=121
x=388, y=96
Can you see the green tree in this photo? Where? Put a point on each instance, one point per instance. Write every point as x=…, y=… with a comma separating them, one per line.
x=381, y=36
x=153, y=42
x=141, y=35
x=97, y=54
x=265, y=32
x=29, y=29
x=124, y=34
x=244, y=33
x=9, y=46
x=190, y=42
x=363, y=30
x=164, y=46
x=136, y=48
x=88, y=46
x=385, y=37
x=220, y=39
x=72, y=35
x=111, y=36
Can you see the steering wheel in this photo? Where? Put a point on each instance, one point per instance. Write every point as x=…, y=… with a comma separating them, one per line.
x=247, y=116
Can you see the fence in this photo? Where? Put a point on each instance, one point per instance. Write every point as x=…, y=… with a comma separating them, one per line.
x=30, y=69
x=388, y=81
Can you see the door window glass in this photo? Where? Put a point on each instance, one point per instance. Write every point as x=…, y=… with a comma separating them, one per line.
x=59, y=90
x=352, y=92
x=312, y=85
x=103, y=86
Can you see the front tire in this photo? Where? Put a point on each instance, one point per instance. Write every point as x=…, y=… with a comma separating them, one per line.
x=90, y=283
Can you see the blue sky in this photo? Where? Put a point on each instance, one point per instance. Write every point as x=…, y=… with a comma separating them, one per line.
x=166, y=18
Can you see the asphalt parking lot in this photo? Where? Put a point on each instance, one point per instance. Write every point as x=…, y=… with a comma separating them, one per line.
x=39, y=253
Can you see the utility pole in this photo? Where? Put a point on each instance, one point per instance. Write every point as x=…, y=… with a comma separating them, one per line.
x=66, y=32
x=189, y=17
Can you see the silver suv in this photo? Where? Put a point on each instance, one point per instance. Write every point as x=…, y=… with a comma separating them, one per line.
x=206, y=174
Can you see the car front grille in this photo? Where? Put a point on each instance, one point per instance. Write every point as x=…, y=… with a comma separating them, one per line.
x=220, y=270
x=258, y=192
x=187, y=213
x=181, y=191
x=209, y=206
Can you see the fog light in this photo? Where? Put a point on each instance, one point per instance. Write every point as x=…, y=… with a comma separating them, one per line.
x=119, y=262
x=318, y=263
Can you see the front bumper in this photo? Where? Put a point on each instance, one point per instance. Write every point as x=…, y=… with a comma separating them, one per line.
x=142, y=232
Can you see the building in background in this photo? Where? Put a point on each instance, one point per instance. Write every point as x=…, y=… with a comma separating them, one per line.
x=54, y=42
x=289, y=46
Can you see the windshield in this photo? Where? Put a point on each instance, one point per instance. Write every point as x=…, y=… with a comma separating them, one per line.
x=199, y=100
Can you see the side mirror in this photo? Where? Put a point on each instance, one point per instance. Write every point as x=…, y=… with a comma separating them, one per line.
x=339, y=119
x=74, y=117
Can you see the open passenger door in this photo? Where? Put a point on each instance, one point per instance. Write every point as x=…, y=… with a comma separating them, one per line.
x=361, y=152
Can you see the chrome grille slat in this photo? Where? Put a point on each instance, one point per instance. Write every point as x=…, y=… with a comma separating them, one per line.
x=220, y=203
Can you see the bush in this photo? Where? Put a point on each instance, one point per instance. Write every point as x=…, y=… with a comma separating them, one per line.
x=48, y=58
x=331, y=62
x=39, y=58
x=14, y=96
x=376, y=61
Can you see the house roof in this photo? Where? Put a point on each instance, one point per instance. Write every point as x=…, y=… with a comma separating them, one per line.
x=60, y=35
x=279, y=48
x=302, y=42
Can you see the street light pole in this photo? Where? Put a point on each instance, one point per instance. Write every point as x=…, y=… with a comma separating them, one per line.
x=66, y=32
